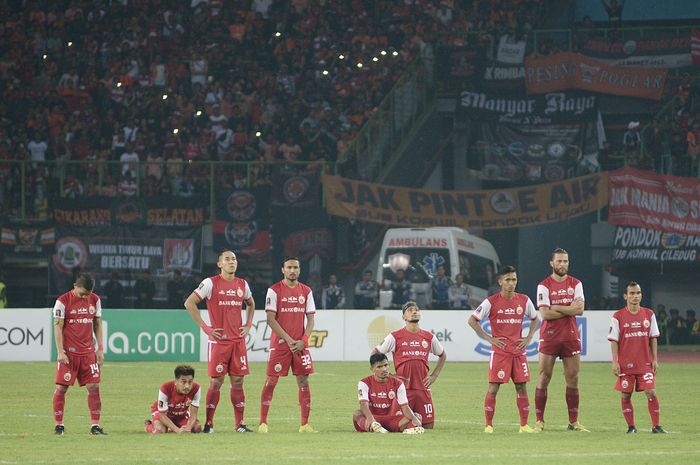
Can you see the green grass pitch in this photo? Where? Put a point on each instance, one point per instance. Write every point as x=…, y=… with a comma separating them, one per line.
x=128, y=389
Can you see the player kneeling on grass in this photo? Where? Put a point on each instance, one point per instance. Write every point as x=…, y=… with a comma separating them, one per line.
x=633, y=333
x=383, y=402
x=177, y=405
x=506, y=312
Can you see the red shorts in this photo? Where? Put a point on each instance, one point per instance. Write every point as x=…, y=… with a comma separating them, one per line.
x=421, y=402
x=389, y=422
x=561, y=349
x=82, y=367
x=281, y=359
x=639, y=383
x=228, y=359
x=179, y=421
x=503, y=367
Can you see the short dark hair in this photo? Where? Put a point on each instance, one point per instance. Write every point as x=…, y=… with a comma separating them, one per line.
x=223, y=251
x=376, y=358
x=631, y=284
x=183, y=370
x=86, y=281
x=287, y=259
x=507, y=269
x=368, y=271
x=559, y=250
x=409, y=304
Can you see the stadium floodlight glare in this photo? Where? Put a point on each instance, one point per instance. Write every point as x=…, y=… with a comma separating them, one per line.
x=324, y=72
x=395, y=53
x=341, y=57
x=375, y=59
x=199, y=113
x=165, y=96
x=176, y=130
x=44, y=56
x=383, y=52
x=278, y=33
x=359, y=65
x=258, y=133
x=70, y=44
x=119, y=84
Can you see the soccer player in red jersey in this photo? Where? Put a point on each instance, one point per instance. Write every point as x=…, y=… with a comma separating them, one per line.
x=506, y=312
x=77, y=316
x=411, y=346
x=177, y=405
x=225, y=294
x=560, y=300
x=633, y=334
x=383, y=402
x=288, y=303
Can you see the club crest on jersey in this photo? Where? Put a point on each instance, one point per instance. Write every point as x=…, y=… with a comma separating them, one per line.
x=625, y=384
x=501, y=374
x=278, y=368
x=220, y=368
x=646, y=323
x=66, y=377
x=239, y=292
x=519, y=310
x=302, y=299
x=424, y=344
x=570, y=291
x=92, y=310
x=359, y=393
x=392, y=394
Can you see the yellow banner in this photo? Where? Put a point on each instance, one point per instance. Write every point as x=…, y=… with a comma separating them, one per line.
x=487, y=209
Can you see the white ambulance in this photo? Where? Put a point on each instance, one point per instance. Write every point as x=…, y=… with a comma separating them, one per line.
x=420, y=251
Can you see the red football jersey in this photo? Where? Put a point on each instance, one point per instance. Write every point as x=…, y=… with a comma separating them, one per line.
x=291, y=305
x=78, y=315
x=384, y=398
x=225, y=304
x=551, y=292
x=174, y=404
x=506, y=318
x=632, y=332
x=410, y=353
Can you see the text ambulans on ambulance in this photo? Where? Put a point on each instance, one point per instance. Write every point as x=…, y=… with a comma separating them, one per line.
x=420, y=251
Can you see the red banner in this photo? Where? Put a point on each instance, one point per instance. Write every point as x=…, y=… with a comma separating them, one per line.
x=649, y=200
x=569, y=70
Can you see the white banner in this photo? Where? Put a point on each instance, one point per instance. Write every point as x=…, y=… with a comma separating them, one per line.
x=350, y=335
x=510, y=52
x=26, y=334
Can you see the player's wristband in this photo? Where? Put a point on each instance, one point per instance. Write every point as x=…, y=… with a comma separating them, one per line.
x=305, y=340
x=615, y=358
x=206, y=328
x=249, y=325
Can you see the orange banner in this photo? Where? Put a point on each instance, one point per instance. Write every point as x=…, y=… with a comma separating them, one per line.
x=568, y=70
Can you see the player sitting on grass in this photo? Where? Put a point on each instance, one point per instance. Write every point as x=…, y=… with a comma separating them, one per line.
x=383, y=402
x=177, y=405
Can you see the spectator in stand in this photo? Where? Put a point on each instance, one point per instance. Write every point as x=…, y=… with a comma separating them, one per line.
x=333, y=296
x=679, y=155
x=614, y=10
x=113, y=292
x=440, y=285
x=631, y=141
x=401, y=289
x=662, y=321
x=177, y=291
x=693, y=326
x=693, y=139
x=366, y=292
x=145, y=290
x=677, y=328
x=459, y=294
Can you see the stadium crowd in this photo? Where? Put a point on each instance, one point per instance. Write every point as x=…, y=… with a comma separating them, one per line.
x=151, y=86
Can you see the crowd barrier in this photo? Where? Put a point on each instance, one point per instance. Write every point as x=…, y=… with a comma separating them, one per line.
x=339, y=335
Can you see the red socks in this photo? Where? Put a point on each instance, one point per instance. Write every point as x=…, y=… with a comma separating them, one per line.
x=238, y=402
x=523, y=407
x=266, y=399
x=59, y=401
x=489, y=408
x=628, y=411
x=95, y=404
x=213, y=395
x=572, y=404
x=654, y=410
x=540, y=403
x=305, y=403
